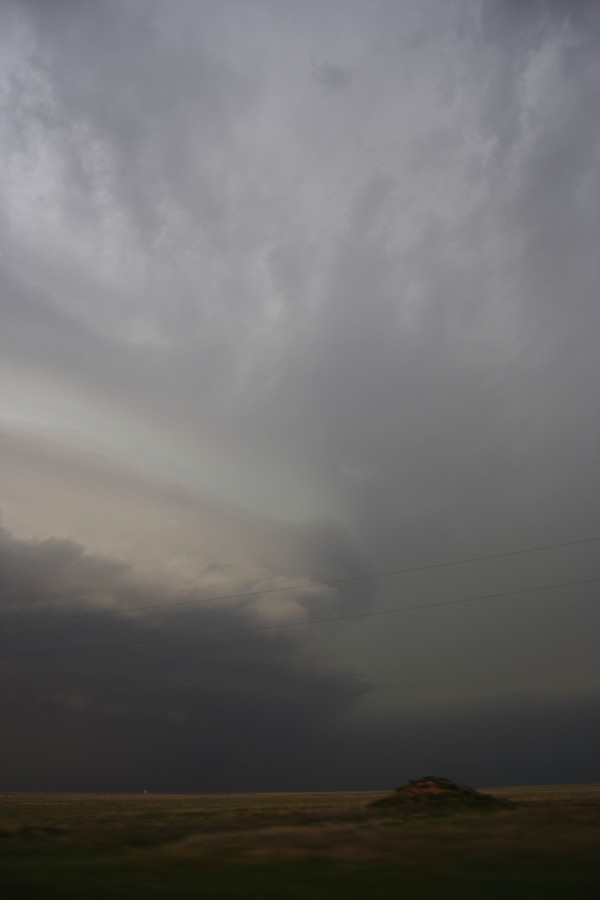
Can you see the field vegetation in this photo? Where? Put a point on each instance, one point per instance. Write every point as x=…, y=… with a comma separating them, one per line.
x=323, y=845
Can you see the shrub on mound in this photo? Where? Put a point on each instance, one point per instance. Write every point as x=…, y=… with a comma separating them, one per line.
x=432, y=793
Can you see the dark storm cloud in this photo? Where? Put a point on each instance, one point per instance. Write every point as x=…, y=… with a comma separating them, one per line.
x=224, y=712
x=300, y=291
x=522, y=738
x=233, y=712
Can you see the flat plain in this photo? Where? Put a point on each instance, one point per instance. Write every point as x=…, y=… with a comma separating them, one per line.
x=290, y=845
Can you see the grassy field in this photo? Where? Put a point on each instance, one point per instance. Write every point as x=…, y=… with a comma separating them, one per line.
x=325, y=845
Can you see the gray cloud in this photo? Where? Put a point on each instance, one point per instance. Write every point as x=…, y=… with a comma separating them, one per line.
x=332, y=76
x=299, y=291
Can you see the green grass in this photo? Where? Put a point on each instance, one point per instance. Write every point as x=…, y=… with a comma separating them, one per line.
x=294, y=845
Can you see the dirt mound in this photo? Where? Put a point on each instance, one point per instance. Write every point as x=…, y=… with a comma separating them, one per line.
x=431, y=793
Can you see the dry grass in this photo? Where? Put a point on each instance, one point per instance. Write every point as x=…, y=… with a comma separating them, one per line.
x=523, y=832
x=153, y=839
x=549, y=793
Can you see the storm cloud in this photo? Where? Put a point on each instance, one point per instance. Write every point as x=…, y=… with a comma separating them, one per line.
x=294, y=293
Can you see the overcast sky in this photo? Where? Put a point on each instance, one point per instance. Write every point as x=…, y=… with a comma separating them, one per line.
x=294, y=291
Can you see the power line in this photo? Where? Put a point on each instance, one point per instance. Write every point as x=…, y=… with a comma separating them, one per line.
x=309, y=584
x=298, y=624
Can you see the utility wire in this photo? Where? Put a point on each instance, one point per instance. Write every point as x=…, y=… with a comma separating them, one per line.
x=309, y=584
x=298, y=624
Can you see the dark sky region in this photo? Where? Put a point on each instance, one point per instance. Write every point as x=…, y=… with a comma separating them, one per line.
x=292, y=292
